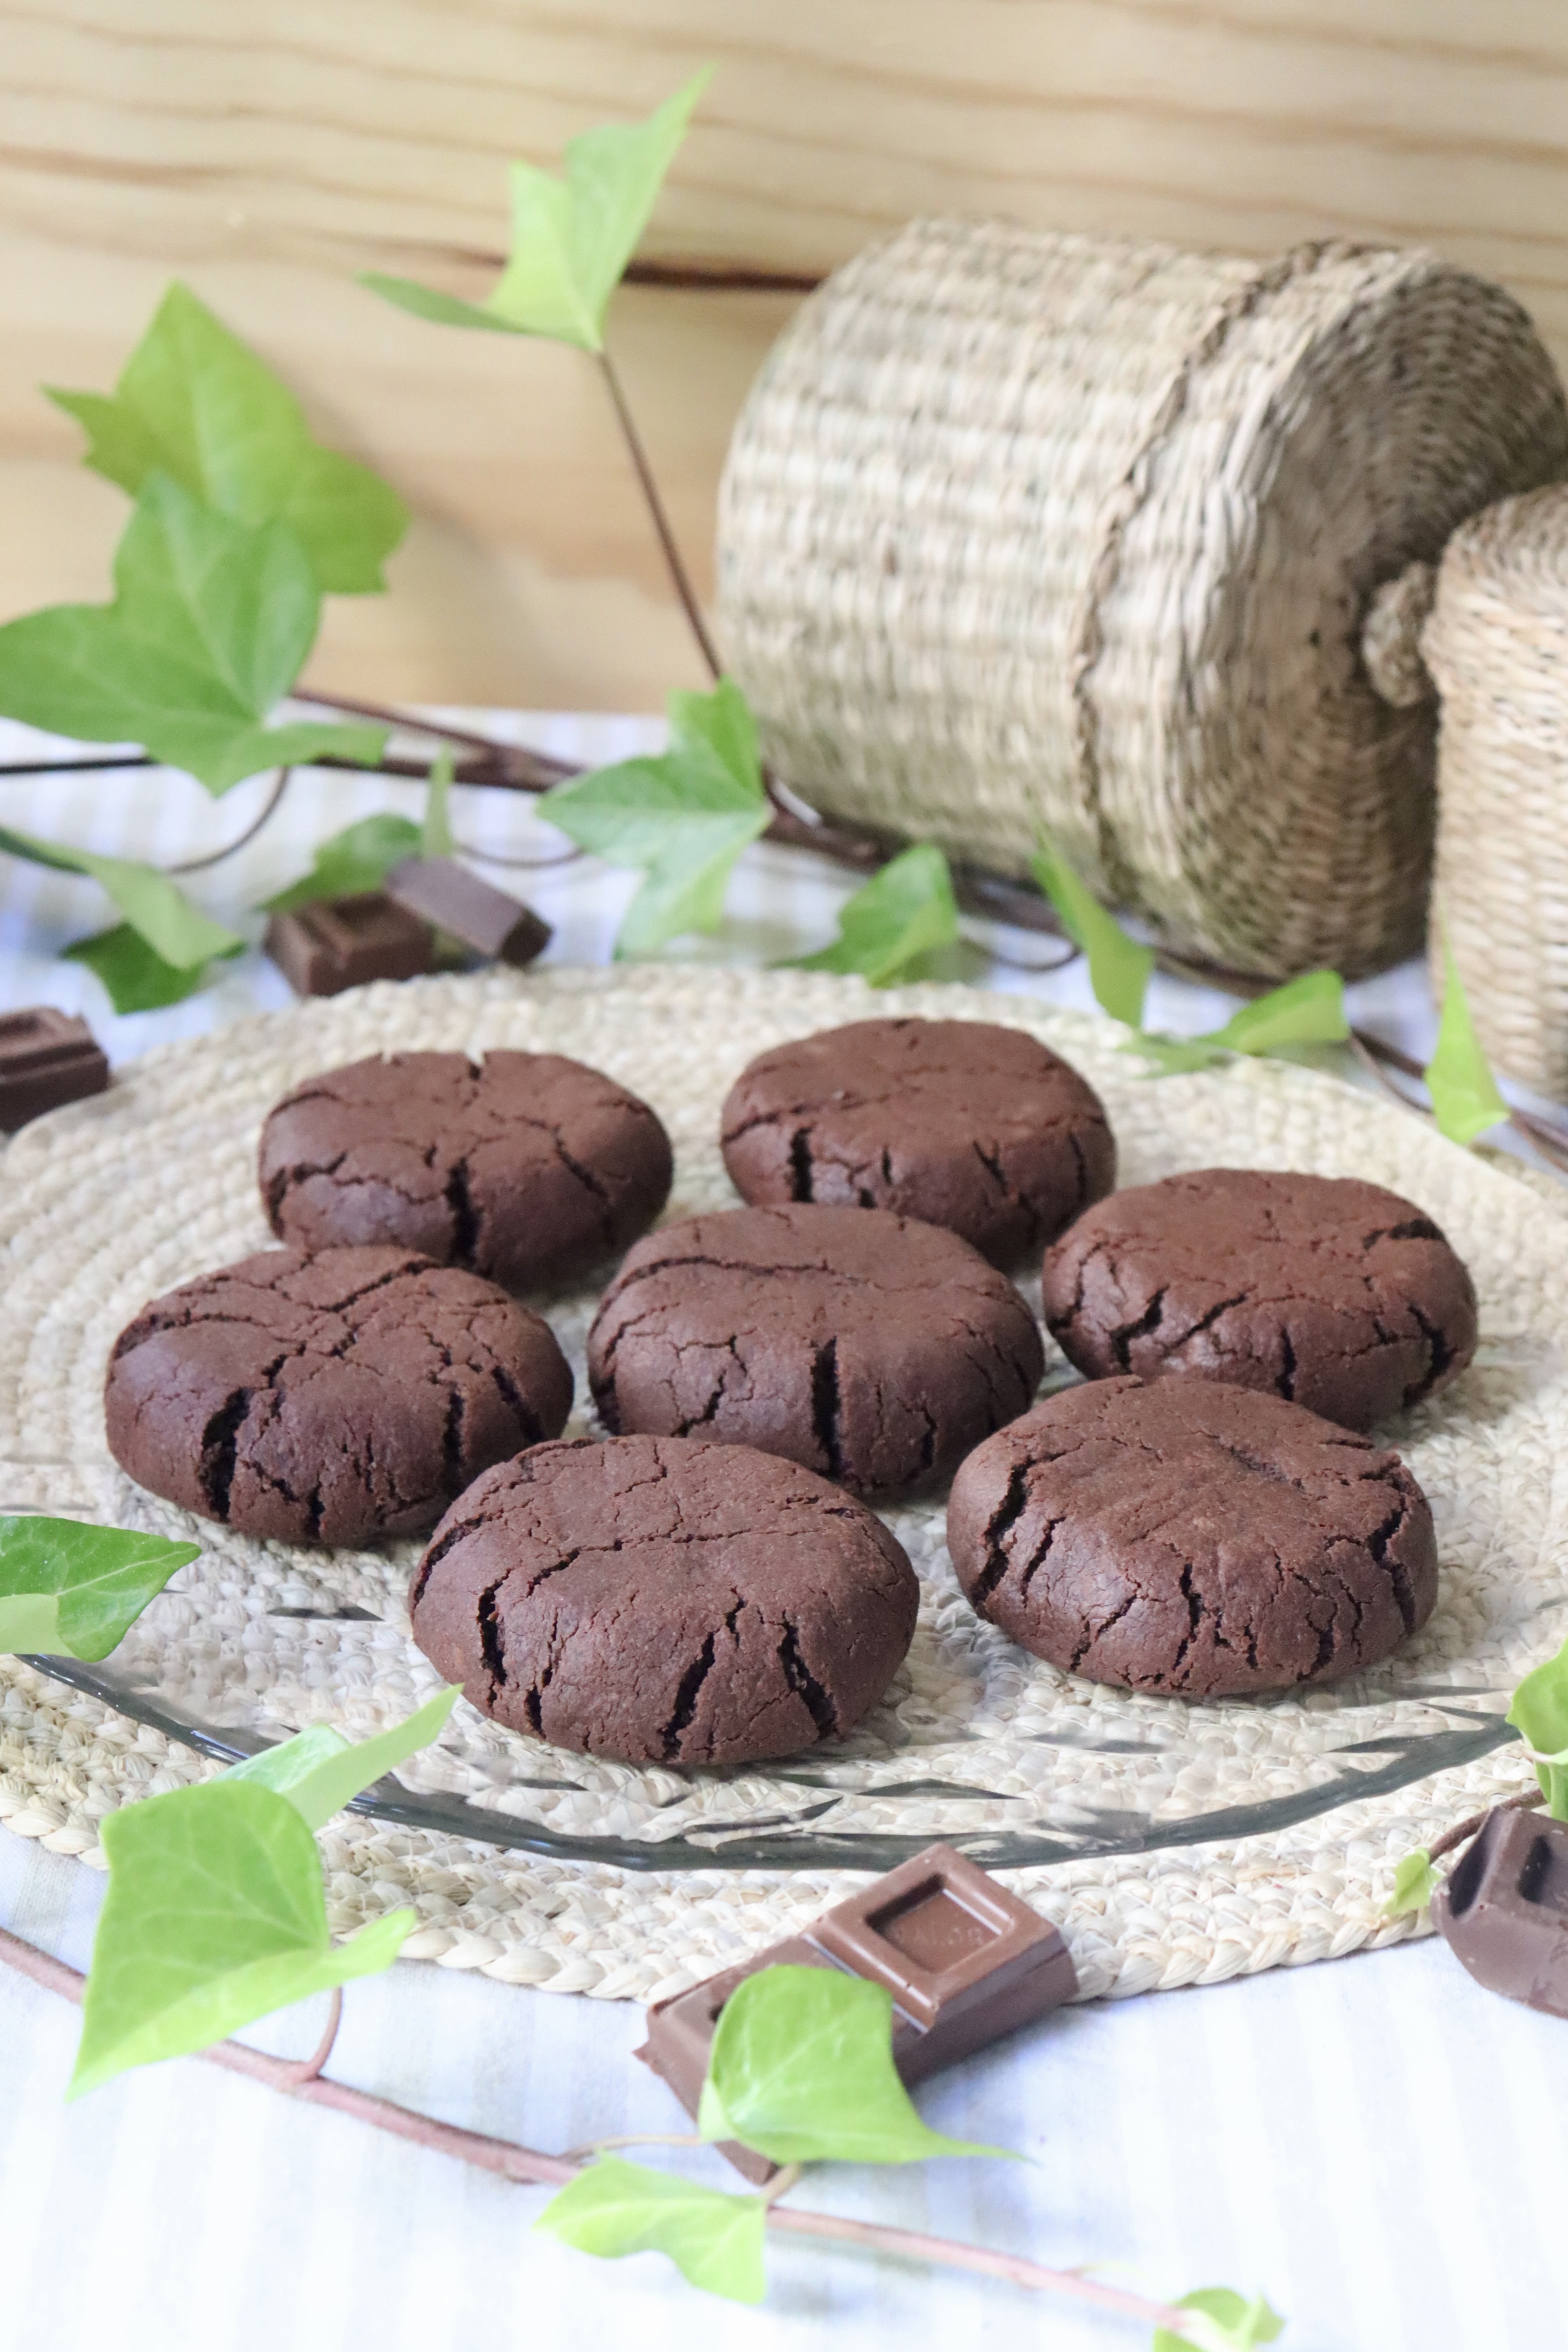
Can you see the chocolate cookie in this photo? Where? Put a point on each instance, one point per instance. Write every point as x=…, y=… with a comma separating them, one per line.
x=1333, y=1293
x=529, y=1168
x=665, y=1601
x=962, y=1123
x=330, y=1398
x=866, y=1346
x=1192, y=1538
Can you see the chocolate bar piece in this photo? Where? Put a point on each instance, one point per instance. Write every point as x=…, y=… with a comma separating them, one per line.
x=1504, y=1908
x=966, y=1962
x=46, y=1058
x=487, y=919
x=338, y=942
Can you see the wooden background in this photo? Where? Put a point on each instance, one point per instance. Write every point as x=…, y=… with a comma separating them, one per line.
x=268, y=149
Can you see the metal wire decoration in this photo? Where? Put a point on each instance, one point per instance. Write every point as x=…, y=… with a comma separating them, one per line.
x=1020, y=530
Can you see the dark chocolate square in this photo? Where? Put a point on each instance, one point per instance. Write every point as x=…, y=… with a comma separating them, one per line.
x=1504, y=1909
x=940, y=1935
x=339, y=943
x=46, y=1058
x=966, y=1962
x=490, y=921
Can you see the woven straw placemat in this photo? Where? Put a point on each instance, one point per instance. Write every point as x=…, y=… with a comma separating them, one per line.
x=1174, y=1843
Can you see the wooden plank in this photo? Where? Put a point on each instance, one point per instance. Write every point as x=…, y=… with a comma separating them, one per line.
x=269, y=149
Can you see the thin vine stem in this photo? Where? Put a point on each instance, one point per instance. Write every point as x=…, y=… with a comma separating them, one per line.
x=230, y=849
x=532, y=2167
x=310, y=2068
x=1463, y=1831
x=681, y=579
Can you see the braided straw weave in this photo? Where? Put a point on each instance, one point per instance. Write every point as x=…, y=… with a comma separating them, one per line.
x=657, y=1876
x=1497, y=646
x=1021, y=529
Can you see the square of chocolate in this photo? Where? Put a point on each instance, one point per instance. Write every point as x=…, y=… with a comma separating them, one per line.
x=964, y=1961
x=680, y=2034
x=338, y=943
x=962, y=1958
x=469, y=908
x=46, y=1058
x=1504, y=1908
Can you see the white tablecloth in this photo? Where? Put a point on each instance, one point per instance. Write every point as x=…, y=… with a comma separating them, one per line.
x=1374, y=2142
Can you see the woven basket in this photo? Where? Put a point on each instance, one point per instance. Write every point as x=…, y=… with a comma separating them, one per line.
x=1497, y=647
x=1021, y=529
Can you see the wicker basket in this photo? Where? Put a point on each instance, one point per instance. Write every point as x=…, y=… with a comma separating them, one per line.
x=1497, y=646
x=1024, y=530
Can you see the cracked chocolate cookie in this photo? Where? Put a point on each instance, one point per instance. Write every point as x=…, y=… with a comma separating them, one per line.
x=963, y=1123
x=665, y=1601
x=868, y=1347
x=529, y=1168
x=1192, y=1538
x=330, y=1398
x=1333, y=1293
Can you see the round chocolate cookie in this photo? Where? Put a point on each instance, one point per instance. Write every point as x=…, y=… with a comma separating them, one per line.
x=1333, y=1293
x=1192, y=1538
x=529, y=1168
x=866, y=1346
x=963, y=1123
x=330, y=1398
x=665, y=1601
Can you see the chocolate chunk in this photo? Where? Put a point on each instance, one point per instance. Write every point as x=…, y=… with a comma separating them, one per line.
x=487, y=919
x=873, y=1348
x=46, y=1058
x=1504, y=1908
x=664, y=1601
x=1335, y=1293
x=1192, y=1538
x=338, y=943
x=966, y=1962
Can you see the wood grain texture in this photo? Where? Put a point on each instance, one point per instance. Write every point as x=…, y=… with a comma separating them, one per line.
x=269, y=151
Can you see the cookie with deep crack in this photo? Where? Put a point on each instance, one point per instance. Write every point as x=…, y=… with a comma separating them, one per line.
x=665, y=1601
x=1334, y=1294
x=331, y=1398
x=965, y=1123
x=528, y=1168
x=868, y=1347
x=1188, y=1538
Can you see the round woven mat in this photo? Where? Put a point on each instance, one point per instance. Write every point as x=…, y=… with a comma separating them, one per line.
x=1174, y=1843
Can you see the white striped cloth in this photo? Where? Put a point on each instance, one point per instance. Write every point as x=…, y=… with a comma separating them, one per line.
x=1379, y=2145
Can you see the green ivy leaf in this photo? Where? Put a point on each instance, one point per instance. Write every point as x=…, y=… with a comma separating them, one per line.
x=152, y=903
x=1118, y=966
x=571, y=238
x=801, y=2069
x=1307, y=1011
x=1415, y=1883
x=613, y=2208
x=318, y=1770
x=1539, y=1710
x=1465, y=1097
x=436, y=833
x=69, y=1590
x=135, y=975
x=350, y=863
x=904, y=912
x=1223, y=2321
x=214, y=1916
x=194, y=402
x=211, y=622
x=684, y=818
